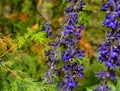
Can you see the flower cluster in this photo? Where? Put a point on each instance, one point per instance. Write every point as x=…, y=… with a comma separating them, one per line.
x=110, y=49
x=102, y=88
x=72, y=34
x=70, y=53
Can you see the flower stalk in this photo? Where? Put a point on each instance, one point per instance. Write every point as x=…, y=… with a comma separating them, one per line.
x=110, y=49
x=70, y=53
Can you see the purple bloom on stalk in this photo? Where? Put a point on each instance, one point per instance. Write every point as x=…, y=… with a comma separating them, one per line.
x=105, y=7
x=102, y=74
x=72, y=68
x=69, y=83
x=70, y=53
x=102, y=88
x=48, y=30
x=81, y=27
x=106, y=74
x=67, y=55
x=72, y=84
x=68, y=29
x=108, y=63
x=74, y=17
x=110, y=21
x=110, y=49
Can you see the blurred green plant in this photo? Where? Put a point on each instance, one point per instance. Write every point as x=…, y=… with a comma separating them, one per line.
x=38, y=36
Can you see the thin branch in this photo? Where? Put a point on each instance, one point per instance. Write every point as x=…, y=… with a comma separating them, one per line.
x=8, y=50
x=45, y=19
x=11, y=71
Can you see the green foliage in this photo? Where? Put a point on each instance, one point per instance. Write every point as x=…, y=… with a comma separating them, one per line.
x=27, y=71
x=21, y=69
x=39, y=37
x=90, y=81
x=29, y=84
x=118, y=85
x=84, y=18
x=92, y=18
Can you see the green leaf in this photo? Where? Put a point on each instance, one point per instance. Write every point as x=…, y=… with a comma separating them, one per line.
x=118, y=85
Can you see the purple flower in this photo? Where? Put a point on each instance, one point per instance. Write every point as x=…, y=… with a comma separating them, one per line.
x=110, y=21
x=108, y=63
x=72, y=84
x=102, y=75
x=48, y=30
x=110, y=49
x=72, y=68
x=102, y=88
x=69, y=83
x=69, y=52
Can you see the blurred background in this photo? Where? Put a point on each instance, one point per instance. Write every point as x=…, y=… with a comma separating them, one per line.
x=18, y=15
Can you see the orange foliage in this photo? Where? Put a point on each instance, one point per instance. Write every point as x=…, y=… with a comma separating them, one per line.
x=84, y=44
x=18, y=16
x=36, y=48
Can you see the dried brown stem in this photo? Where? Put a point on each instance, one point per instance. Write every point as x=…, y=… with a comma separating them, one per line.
x=11, y=71
x=8, y=50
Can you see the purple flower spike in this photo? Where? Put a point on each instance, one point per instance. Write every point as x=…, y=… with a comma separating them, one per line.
x=110, y=49
x=102, y=88
x=70, y=52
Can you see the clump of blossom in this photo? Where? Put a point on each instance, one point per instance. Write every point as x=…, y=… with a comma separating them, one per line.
x=70, y=53
x=102, y=88
x=110, y=49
